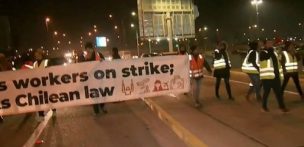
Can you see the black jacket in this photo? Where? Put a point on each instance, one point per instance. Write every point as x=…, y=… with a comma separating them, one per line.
x=225, y=72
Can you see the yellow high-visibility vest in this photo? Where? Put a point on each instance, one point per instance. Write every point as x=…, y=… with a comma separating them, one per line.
x=267, y=69
x=248, y=67
x=291, y=63
x=43, y=64
x=220, y=63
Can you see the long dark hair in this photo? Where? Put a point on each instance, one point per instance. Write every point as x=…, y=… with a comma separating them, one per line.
x=287, y=45
x=253, y=45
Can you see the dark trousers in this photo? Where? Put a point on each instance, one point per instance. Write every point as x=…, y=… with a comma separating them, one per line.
x=196, y=88
x=257, y=85
x=295, y=77
x=96, y=108
x=274, y=84
x=41, y=113
x=217, y=86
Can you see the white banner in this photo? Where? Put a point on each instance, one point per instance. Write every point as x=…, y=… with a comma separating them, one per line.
x=92, y=82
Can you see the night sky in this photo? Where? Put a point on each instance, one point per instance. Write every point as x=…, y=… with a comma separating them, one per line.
x=75, y=17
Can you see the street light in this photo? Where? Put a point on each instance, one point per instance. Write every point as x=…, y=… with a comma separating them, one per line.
x=55, y=33
x=47, y=20
x=115, y=27
x=133, y=13
x=256, y=3
x=205, y=28
x=132, y=25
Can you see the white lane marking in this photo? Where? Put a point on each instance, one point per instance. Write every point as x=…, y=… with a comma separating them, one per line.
x=244, y=83
x=33, y=138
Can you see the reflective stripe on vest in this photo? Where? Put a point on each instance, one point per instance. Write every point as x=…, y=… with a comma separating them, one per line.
x=291, y=63
x=196, y=66
x=248, y=67
x=267, y=70
x=97, y=56
x=220, y=63
x=28, y=66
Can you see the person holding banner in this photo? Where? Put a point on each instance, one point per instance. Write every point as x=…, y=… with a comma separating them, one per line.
x=27, y=62
x=115, y=53
x=197, y=63
x=91, y=54
x=4, y=66
x=40, y=62
x=182, y=50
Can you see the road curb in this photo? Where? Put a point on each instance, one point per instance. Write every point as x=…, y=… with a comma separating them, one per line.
x=37, y=132
x=184, y=134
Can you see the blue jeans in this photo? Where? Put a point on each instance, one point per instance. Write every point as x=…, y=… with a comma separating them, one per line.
x=196, y=88
x=256, y=82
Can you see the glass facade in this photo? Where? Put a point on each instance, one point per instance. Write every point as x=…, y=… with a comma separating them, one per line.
x=153, y=18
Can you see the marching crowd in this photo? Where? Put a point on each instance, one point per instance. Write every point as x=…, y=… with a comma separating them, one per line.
x=267, y=66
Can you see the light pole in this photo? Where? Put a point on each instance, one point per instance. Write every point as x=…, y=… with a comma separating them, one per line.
x=301, y=27
x=47, y=20
x=256, y=3
x=150, y=49
x=137, y=40
x=137, y=36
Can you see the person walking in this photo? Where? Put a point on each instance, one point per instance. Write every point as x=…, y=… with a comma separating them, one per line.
x=197, y=63
x=4, y=66
x=289, y=62
x=115, y=53
x=91, y=54
x=26, y=62
x=271, y=74
x=222, y=66
x=251, y=67
x=40, y=62
x=182, y=50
